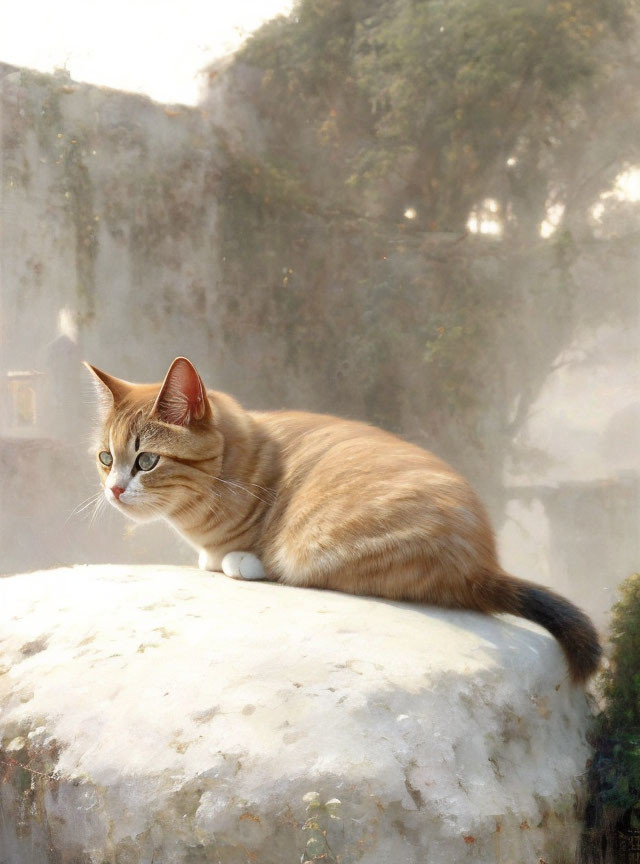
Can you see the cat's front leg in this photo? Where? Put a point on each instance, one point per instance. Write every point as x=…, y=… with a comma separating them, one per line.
x=211, y=561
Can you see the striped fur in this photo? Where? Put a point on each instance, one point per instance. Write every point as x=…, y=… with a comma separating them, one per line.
x=323, y=502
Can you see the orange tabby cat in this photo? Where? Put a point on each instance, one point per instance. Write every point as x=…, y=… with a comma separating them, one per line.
x=312, y=500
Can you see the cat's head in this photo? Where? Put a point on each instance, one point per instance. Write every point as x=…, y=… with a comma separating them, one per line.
x=156, y=441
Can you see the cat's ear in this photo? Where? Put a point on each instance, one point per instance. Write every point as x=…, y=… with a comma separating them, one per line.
x=110, y=390
x=182, y=397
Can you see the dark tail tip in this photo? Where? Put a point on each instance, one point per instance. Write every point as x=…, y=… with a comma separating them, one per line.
x=571, y=627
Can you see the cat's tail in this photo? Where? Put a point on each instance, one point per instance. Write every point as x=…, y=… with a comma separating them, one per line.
x=501, y=592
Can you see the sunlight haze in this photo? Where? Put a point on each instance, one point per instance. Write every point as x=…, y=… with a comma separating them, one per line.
x=158, y=48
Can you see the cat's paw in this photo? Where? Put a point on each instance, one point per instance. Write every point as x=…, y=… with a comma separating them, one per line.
x=242, y=565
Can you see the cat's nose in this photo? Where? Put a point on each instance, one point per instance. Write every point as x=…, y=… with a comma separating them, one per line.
x=117, y=491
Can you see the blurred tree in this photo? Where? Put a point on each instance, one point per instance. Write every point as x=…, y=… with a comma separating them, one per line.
x=384, y=125
x=435, y=104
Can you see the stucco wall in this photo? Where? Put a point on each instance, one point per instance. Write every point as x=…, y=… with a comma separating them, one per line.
x=108, y=213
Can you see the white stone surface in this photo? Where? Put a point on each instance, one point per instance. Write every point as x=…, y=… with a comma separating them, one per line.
x=184, y=716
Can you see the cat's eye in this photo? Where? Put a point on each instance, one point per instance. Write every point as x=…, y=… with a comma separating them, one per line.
x=147, y=461
x=106, y=458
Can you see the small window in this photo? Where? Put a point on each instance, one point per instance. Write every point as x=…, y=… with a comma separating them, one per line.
x=24, y=396
x=24, y=404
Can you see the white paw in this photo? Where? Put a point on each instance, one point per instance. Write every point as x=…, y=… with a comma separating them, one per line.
x=242, y=565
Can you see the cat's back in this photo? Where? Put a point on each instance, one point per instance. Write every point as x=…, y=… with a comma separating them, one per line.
x=331, y=451
x=346, y=486
x=303, y=432
x=310, y=430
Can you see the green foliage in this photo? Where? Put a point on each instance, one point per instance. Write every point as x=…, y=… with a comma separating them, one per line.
x=254, y=192
x=618, y=751
x=622, y=682
x=458, y=83
x=316, y=825
x=425, y=98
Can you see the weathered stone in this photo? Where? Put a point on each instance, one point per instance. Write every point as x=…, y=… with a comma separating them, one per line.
x=169, y=716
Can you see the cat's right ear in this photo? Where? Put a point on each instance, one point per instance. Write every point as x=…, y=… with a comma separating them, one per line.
x=110, y=390
x=182, y=397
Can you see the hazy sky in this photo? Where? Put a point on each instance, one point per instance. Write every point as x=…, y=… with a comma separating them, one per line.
x=147, y=46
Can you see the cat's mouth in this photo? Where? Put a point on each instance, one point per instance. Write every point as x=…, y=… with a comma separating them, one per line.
x=130, y=504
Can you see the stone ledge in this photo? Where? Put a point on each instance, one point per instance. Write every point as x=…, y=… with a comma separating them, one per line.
x=179, y=717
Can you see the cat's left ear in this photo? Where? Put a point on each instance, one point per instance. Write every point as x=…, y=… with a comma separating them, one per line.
x=182, y=397
x=110, y=390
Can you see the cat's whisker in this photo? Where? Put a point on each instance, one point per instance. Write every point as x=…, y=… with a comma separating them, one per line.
x=246, y=483
x=269, y=491
x=229, y=485
x=84, y=505
x=98, y=506
x=243, y=488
